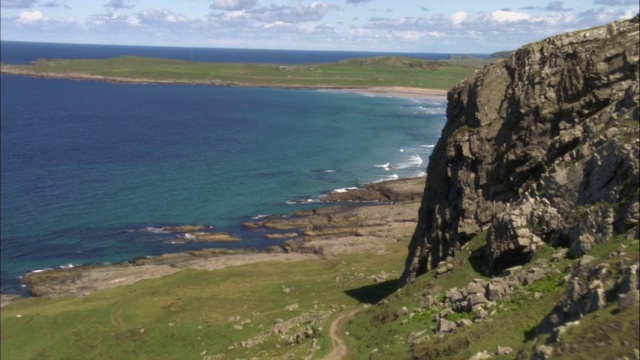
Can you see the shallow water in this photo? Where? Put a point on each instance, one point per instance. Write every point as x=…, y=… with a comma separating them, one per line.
x=87, y=166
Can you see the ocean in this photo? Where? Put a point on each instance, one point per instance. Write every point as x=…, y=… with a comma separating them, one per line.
x=89, y=170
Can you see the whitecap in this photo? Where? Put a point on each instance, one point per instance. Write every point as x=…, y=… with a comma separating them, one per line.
x=427, y=146
x=323, y=171
x=303, y=201
x=387, y=178
x=260, y=216
x=154, y=230
x=413, y=161
x=189, y=236
x=383, y=166
x=344, y=190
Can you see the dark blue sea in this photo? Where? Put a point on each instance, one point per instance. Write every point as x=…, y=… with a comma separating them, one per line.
x=88, y=168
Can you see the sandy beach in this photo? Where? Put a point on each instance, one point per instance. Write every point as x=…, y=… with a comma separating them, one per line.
x=391, y=91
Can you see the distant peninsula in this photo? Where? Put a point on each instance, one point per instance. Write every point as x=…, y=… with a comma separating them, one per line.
x=357, y=73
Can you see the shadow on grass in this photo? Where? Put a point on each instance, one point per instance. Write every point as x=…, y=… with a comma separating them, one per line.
x=372, y=294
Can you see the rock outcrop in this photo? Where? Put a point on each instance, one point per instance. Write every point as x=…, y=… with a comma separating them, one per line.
x=539, y=147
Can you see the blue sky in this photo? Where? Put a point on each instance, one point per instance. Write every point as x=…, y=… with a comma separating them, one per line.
x=449, y=26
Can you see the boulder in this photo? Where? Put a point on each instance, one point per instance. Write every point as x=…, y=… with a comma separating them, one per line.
x=402, y=311
x=497, y=289
x=446, y=326
x=477, y=286
x=504, y=350
x=429, y=301
x=476, y=299
x=483, y=355
x=454, y=295
x=542, y=352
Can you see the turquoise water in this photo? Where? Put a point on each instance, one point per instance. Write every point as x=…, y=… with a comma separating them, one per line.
x=88, y=166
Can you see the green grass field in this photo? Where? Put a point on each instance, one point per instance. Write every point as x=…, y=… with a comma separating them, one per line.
x=233, y=313
x=184, y=315
x=364, y=72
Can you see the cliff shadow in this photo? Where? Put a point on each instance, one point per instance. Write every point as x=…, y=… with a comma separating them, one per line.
x=372, y=294
x=478, y=261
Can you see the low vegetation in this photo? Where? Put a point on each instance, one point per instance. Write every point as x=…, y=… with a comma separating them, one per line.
x=386, y=331
x=266, y=310
x=283, y=310
x=361, y=72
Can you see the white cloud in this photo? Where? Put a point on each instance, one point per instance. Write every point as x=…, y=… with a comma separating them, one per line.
x=161, y=17
x=408, y=35
x=275, y=25
x=231, y=5
x=30, y=16
x=508, y=16
x=258, y=17
x=629, y=14
x=317, y=24
x=459, y=17
x=133, y=21
x=118, y=4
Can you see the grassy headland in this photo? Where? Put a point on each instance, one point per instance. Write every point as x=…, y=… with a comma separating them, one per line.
x=392, y=71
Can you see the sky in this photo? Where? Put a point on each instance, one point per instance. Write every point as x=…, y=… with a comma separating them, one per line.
x=413, y=26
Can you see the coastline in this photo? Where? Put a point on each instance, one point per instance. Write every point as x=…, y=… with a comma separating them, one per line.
x=317, y=241
x=359, y=220
x=391, y=91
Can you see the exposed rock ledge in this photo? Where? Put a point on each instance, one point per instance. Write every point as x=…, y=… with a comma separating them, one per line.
x=540, y=146
x=324, y=232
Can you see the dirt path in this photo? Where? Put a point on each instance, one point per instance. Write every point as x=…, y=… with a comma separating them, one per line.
x=116, y=316
x=340, y=348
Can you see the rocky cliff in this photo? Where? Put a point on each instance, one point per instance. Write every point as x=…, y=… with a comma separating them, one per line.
x=539, y=147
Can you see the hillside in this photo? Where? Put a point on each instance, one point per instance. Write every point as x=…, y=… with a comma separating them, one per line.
x=527, y=238
x=535, y=174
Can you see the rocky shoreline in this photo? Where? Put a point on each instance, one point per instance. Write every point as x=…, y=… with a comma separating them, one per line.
x=375, y=216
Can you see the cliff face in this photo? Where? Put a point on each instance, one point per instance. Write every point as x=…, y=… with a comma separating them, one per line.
x=539, y=147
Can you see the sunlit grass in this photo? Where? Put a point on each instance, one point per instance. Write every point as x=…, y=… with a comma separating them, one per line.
x=383, y=71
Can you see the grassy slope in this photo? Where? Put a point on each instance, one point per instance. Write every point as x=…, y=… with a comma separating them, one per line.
x=381, y=71
x=378, y=334
x=187, y=313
